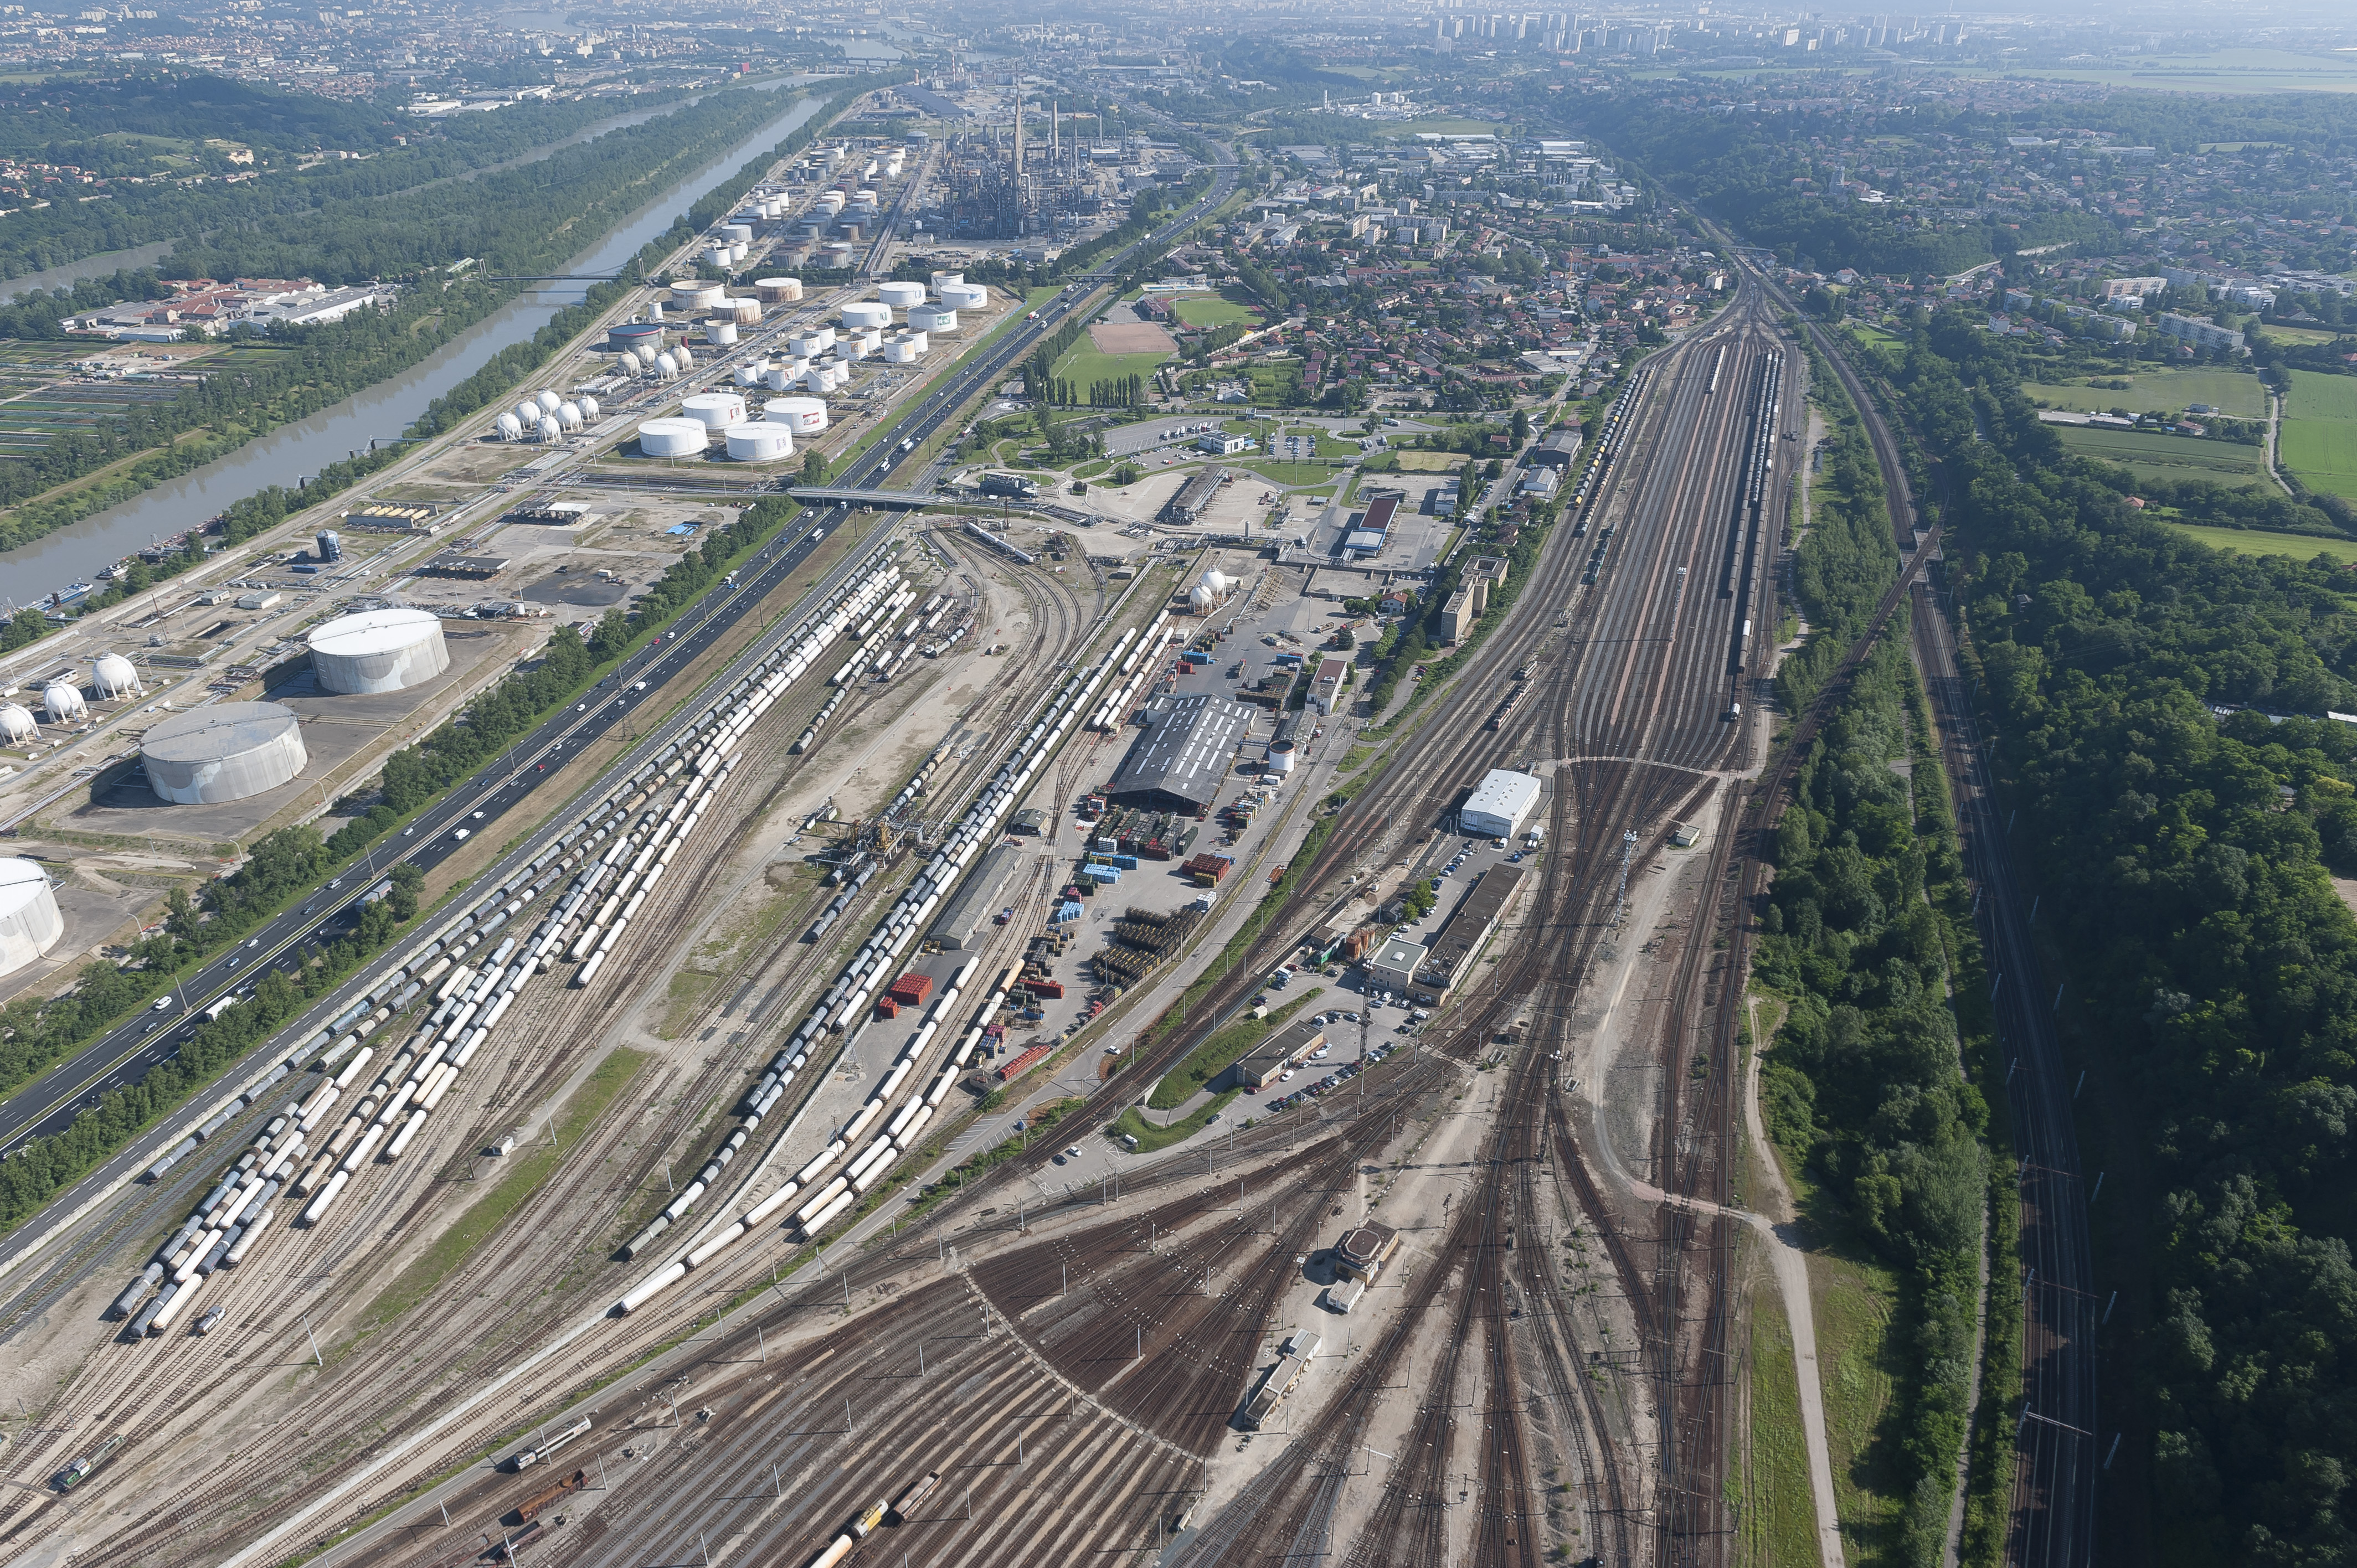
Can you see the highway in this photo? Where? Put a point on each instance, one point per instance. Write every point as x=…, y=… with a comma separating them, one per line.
x=50, y=1102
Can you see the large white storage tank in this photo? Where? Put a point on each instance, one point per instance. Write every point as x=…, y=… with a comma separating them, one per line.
x=31, y=922
x=550, y=429
x=226, y=752
x=1502, y=803
x=378, y=651
x=779, y=291
x=672, y=437
x=942, y=280
x=714, y=411
x=900, y=295
x=932, y=318
x=802, y=416
x=113, y=676
x=696, y=295
x=548, y=402
x=964, y=295
x=509, y=427
x=749, y=375
x=762, y=442
x=667, y=363
x=62, y=700
x=16, y=724
x=863, y=314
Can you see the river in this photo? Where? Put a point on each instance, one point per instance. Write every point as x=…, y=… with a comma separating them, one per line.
x=76, y=554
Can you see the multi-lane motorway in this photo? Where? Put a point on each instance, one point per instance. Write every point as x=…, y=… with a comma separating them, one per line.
x=50, y=1102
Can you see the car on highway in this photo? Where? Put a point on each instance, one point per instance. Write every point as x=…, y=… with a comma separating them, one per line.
x=163, y=1004
x=460, y=836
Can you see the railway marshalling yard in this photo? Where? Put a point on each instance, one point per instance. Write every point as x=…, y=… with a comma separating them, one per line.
x=1068, y=1342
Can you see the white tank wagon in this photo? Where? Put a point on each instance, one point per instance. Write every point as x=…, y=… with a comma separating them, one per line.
x=761, y=442
x=673, y=437
x=378, y=651
x=30, y=923
x=111, y=676
x=226, y=752
x=714, y=409
x=61, y=700
x=17, y=724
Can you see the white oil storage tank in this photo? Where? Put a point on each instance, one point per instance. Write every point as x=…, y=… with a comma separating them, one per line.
x=761, y=442
x=550, y=429
x=779, y=291
x=569, y=414
x=964, y=295
x=802, y=416
x=378, y=651
x=509, y=427
x=527, y=415
x=667, y=364
x=684, y=356
x=749, y=375
x=714, y=409
x=672, y=437
x=61, y=700
x=940, y=280
x=900, y=295
x=932, y=318
x=548, y=402
x=720, y=334
x=227, y=752
x=17, y=724
x=694, y=294
x=30, y=923
x=899, y=351
x=113, y=676
x=590, y=410
x=867, y=313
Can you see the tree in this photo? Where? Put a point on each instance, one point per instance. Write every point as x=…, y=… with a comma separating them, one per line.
x=1521, y=426
x=1125, y=475
x=814, y=468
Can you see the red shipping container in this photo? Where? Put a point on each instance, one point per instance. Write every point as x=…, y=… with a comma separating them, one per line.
x=1015, y=1067
x=886, y=1008
x=1044, y=987
x=910, y=989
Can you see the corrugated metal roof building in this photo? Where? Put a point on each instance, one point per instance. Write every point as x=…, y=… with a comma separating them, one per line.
x=1178, y=763
x=976, y=900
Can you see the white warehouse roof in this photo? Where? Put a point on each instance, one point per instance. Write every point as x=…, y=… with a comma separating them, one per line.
x=1502, y=803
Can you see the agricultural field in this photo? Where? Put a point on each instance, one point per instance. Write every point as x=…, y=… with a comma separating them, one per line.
x=2174, y=458
x=2256, y=541
x=2319, y=432
x=2237, y=392
x=45, y=394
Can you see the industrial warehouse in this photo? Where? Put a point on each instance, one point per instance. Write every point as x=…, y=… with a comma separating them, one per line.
x=1181, y=759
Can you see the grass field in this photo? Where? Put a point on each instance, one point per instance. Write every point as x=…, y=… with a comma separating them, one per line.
x=1214, y=1056
x=1082, y=364
x=1212, y=310
x=2319, y=432
x=1779, y=1520
x=2174, y=458
x=1430, y=462
x=2158, y=391
x=1290, y=473
x=2276, y=334
x=2254, y=542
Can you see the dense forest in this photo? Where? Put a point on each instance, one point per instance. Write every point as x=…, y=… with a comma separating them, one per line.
x=1865, y=1088
x=1845, y=558
x=171, y=128
x=2183, y=842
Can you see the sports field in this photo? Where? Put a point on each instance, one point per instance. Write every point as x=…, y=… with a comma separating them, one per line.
x=1212, y=310
x=2319, y=432
x=2175, y=458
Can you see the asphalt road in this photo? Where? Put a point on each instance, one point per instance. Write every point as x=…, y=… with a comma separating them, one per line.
x=50, y=1103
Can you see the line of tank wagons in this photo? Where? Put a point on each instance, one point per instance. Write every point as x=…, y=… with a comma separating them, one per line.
x=845, y=1009
x=1740, y=573
x=469, y=998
